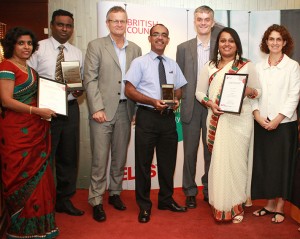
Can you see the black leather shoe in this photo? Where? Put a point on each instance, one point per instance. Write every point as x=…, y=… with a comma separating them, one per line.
x=144, y=216
x=68, y=208
x=99, y=213
x=174, y=207
x=116, y=201
x=190, y=202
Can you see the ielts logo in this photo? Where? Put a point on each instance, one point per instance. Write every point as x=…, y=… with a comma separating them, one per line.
x=129, y=172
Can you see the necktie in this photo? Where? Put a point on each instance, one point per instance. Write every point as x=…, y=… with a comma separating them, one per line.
x=60, y=58
x=161, y=71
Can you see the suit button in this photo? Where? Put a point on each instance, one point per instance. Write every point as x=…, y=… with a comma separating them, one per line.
x=119, y=93
x=119, y=82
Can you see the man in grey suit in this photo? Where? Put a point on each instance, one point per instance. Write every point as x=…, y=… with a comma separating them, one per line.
x=106, y=62
x=191, y=57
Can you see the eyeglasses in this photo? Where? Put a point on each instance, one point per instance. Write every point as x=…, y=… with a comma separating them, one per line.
x=122, y=22
x=156, y=34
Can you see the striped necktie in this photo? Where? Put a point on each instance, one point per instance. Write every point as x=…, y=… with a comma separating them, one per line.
x=60, y=58
x=161, y=71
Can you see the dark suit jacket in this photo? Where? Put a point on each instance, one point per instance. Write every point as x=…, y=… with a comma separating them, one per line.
x=103, y=76
x=186, y=58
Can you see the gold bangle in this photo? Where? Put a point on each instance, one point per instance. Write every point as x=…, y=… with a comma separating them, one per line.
x=30, y=108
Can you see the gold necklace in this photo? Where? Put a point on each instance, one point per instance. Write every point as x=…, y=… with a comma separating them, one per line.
x=23, y=67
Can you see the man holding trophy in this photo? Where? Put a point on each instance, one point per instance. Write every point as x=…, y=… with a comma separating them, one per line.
x=154, y=81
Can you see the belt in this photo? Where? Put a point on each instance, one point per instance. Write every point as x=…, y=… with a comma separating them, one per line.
x=123, y=101
x=72, y=102
x=162, y=112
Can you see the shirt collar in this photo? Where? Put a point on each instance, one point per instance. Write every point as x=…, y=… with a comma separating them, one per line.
x=280, y=65
x=200, y=43
x=115, y=44
x=153, y=55
x=56, y=44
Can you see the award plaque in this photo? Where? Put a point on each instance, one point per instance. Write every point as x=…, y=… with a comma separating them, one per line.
x=167, y=93
x=52, y=95
x=232, y=93
x=71, y=75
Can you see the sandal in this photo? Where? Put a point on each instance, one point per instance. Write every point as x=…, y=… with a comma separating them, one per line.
x=274, y=219
x=237, y=219
x=262, y=212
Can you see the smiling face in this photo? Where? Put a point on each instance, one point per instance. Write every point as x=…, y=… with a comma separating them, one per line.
x=23, y=48
x=159, y=39
x=117, y=23
x=62, y=28
x=227, y=46
x=203, y=21
x=275, y=42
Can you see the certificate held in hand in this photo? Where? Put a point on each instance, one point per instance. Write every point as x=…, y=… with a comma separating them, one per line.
x=232, y=93
x=52, y=95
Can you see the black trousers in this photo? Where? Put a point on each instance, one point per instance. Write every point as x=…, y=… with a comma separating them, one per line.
x=154, y=131
x=65, y=147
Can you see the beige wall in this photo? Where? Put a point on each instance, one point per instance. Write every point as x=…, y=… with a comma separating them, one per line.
x=85, y=14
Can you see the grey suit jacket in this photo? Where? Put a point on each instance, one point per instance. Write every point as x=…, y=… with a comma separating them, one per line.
x=187, y=60
x=103, y=76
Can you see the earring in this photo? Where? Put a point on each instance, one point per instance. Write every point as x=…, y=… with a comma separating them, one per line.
x=237, y=56
x=218, y=56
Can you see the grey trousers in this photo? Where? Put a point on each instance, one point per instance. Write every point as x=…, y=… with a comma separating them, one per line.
x=191, y=140
x=112, y=136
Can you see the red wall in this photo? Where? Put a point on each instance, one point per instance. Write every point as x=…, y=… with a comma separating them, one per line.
x=32, y=14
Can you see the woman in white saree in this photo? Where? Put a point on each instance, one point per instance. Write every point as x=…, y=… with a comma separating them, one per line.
x=228, y=134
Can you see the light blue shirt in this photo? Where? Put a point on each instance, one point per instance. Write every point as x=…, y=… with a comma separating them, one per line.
x=143, y=74
x=121, y=54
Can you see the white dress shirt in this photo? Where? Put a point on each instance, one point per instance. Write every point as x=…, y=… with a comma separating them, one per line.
x=44, y=59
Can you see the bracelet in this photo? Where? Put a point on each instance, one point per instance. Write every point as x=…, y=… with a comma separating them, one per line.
x=30, y=108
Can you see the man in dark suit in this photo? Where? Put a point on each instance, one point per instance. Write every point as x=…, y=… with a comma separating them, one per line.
x=191, y=57
x=106, y=62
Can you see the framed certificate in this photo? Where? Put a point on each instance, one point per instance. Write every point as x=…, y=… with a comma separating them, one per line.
x=167, y=94
x=71, y=75
x=52, y=95
x=232, y=93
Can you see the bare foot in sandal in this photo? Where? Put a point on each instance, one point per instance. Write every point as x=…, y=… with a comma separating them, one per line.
x=278, y=217
x=262, y=212
x=237, y=219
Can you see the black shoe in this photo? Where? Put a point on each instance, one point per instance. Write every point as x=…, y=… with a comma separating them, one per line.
x=174, y=207
x=144, y=216
x=98, y=213
x=190, y=202
x=116, y=201
x=68, y=208
x=206, y=199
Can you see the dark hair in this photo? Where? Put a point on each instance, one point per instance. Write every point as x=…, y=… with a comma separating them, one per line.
x=237, y=41
x=61, y=12
x=158, y=24
x=289, y=46
x=114, y=10
x=11, y=38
